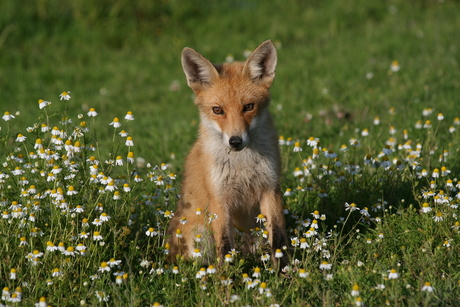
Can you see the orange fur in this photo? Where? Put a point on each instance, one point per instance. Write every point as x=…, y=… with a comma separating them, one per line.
x=233, y=168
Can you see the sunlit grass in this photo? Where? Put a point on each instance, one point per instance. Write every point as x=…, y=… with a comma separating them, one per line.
x=367, y=224
x=365, y=97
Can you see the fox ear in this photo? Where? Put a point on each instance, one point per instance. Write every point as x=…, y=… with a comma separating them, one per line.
x=199, y=71
x=261, y=64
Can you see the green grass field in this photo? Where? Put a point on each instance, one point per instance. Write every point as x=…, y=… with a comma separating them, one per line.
x=377, y=82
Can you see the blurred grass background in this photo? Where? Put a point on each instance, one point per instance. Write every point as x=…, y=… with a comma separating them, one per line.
x=119, y=56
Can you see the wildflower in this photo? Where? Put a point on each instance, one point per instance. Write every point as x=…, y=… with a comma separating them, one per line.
x=438, y=216
x=394, y=67
x=211, y=269
x=104, y=267
x=17, y=171
x=56, y=272
x=70, y=251
x=212, y=217
x=281, y=141
x=201, y=273
x=65, y=96
x=51, y=177
x=97, y=236
x=297, y=172
x=7, y=116
x=130, y=158
x=427, y=111
x=198, y=211
x=303, y=243
x=278, y=253
x=102, y=296
x=178, y=233
x=104, y=217
x=297, y=147
x=151, y=232
x=97, y=222
x=129, y=116
x=226, y=281
x=61, y=247
x=303, y=273
x=196, y=253
x=353, y=142
x=352, y=207
x=427, y=124
x=123, y=133
x=330, y=154
x=313, y=142
x=71, y=190
x=175, y=270
x=393, y=274
x=112, y=262
x=325, y=266
x=15, y=298
x=115, y=123
x=426, y=208
x=387, y=150
x=256, y=273
x=84, y=222
x=92, y=112
x=116, y=195
x=118, y=280
x=444, y=171
x=288, y=192
x=265, y=257
x=355, y=290
x=315, y=153
x=129, y=141
x=13, y=273
x=43, y=103
x=110, y=186
x=365, y=212
x=80, y=247
x=427, y=287
x=228, y=258
x=263, y=287
x=94, y=169
x=261, y=218
x=20, y=138
x=41, y=302
x=295, y=241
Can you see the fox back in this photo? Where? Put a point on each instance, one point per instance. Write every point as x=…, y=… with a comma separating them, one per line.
x=232, y=172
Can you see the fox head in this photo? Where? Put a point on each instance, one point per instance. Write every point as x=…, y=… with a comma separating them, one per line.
x=232, y=98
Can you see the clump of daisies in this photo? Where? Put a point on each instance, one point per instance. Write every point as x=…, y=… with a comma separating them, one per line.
x=63, y=204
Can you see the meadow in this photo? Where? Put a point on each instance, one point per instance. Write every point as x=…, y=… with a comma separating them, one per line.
x=97, y=120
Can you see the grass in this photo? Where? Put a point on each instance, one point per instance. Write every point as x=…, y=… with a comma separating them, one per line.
x=333, y=80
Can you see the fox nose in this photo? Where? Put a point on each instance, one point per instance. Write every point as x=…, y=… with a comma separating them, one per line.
x=236, y=142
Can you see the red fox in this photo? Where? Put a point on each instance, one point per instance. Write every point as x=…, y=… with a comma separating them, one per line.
x=232, y=172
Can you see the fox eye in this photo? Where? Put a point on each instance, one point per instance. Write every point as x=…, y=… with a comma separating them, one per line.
x=218, y=110
x=248, y=107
